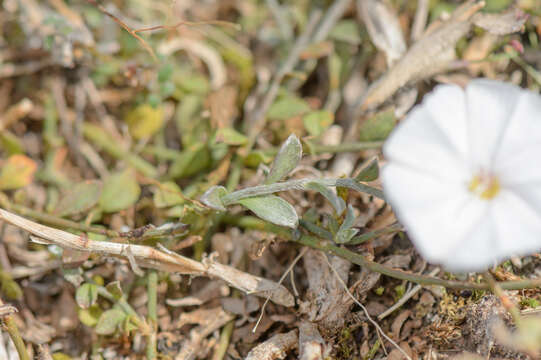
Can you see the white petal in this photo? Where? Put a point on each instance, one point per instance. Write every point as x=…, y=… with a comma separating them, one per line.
x=530, y=193
x=474, y=252
x=447, y=106
x=436, y=214
x=521, y=168
x=518, y=156
x=510, y=227
x=518, y=226
x=490, y=106
x=431, y=139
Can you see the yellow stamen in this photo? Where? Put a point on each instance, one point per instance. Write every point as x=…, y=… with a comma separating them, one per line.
x=484, y=186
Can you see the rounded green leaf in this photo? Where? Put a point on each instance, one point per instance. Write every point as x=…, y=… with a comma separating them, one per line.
x=109, y=321
x=167, y=194
x=86, y=295
x=272, y=209
x=79, y=198
x=144, y=121
x=316, y=122
x=120, y=191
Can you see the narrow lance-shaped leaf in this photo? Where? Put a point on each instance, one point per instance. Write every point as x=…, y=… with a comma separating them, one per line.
x=213, y=197
x=286, y=160
x=336, y=201
x=272, y=209
x=86, y=295
x=369, y=171
x=346, y=232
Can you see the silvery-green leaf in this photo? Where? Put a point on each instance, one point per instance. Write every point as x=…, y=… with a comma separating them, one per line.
x=333, y=224
x=354, y=185
x=344, y=236
x=109, y=321
x=213, y=197
x=86, y=295
x=272, y=209
x=346, y=233
x=349, y=220
x=286, y=160
x=336, y=201
x=369, y=171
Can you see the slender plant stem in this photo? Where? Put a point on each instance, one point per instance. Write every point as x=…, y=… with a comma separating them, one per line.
x=13, y=331
x=298, y=184
x=152, y=289
x=225, y=338
x=140, y=323
x=251, y=222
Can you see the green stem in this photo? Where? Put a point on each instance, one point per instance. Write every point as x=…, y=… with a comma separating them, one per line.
x=15, y=336
x=225, y=337
x=140, y=323
x=298, y=184
x=152, y=289
x=250, y=222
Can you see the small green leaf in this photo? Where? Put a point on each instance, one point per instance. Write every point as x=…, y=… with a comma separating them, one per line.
x=10, y=143
x=369, y=170
x=255, y=158
x=345, y=232
x=231, y=136
x=17, y=172
x=287, y=107
x=79, y=198
x=344, y=236
x=316, y=122
x=336, y=201
x=114, y=289
x=190, y=161
x=355, y=185
x=61, y=356
x=213, y=197
x=86, y=295
x=9, y=287
x=346, y=31
x=120, y=191
x=90, y=316
x=144, y=121
x=167, y=194
x=378, y=127
x=272, y=209
x=109, y=321
x=286, y=160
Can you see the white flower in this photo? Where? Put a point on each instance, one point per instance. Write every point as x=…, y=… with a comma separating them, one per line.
x=464, y=174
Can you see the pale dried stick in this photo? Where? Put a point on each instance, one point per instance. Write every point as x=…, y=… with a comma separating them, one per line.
x=148, y=257
x=288, y=270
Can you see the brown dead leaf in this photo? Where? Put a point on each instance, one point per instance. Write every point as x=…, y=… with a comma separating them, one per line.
x=17, y=172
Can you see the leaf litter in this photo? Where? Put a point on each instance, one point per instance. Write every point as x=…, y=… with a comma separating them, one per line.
x=155, y=196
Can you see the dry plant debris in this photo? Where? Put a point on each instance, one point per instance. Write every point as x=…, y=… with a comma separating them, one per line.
x=200, y=180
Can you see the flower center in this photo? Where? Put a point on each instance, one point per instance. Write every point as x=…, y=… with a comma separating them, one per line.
x=486, y=186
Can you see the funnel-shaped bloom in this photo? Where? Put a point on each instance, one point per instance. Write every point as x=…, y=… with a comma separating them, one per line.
x=464, y=174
